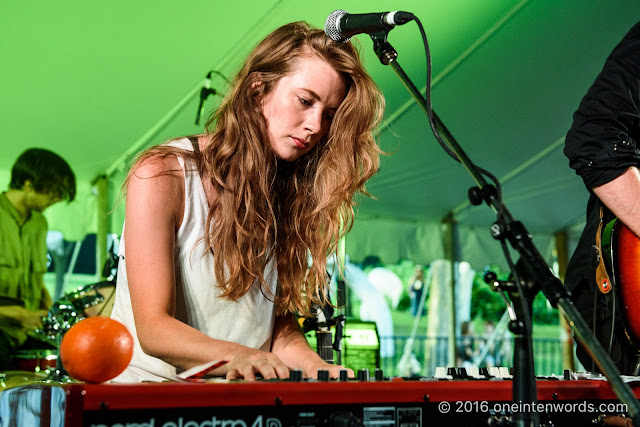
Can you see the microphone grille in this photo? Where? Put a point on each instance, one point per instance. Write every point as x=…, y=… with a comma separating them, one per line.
x=331, y=26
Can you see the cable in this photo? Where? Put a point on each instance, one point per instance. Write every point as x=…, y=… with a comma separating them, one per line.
x=433, y=125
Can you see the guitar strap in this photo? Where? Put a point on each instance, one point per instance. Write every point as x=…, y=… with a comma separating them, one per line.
x=602, y=277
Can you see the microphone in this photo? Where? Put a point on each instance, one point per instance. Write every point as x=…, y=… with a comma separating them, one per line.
x=321, y=318
x=204, y=94
x=341, y=25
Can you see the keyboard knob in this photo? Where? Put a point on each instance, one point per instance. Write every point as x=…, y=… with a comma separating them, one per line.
x=344, y=375
x=295, y=375
x=379, y=376
x=323, y=375
x=363, y=375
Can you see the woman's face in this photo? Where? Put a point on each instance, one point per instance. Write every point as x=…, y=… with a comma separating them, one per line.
x=300, y=108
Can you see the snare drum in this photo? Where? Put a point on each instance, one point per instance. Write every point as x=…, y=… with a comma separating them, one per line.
x=94, y=300
x=35, y=360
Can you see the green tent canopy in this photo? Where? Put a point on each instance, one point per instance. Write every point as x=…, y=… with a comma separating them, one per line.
x=98, y=81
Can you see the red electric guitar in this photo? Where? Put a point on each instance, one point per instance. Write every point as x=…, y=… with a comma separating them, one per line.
x=621, y=249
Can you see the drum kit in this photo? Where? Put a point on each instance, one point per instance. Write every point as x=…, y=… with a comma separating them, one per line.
x=42, y=364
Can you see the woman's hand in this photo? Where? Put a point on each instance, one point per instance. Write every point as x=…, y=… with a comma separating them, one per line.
x=249, y=362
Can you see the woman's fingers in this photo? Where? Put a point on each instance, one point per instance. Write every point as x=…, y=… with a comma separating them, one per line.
x=254, y=362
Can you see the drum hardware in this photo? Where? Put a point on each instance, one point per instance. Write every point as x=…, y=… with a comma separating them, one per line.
x=35, y=360
x=87, y=301
x=95, y=299
x=62, y=315
x=105, y=293
x=83, y=302
x=74, y=306
x=84, y=297
x=59, y=319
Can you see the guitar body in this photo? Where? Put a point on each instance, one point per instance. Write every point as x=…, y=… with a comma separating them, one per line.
x=624, y=251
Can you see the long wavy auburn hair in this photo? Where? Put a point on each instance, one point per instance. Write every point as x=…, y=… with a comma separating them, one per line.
x=267, y=209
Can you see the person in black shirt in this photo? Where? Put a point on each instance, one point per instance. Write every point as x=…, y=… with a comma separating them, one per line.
x=602, y=147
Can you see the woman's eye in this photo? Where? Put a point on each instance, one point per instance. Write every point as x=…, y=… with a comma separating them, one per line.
x=304, y=101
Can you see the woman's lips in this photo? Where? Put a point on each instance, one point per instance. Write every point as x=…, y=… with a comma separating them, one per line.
x=301, y=143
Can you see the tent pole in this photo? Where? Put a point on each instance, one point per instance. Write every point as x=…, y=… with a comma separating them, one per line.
x=448, y=225
x=562, y=255
x=101, y=184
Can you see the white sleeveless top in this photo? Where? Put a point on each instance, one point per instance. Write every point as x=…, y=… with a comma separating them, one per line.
x=248, y=321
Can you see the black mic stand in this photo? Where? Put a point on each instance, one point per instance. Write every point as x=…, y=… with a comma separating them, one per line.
x=340, y=319
x=506, y=228
x=524, y=380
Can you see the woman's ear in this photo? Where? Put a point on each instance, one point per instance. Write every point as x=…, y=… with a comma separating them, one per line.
x=257, y=88
x=256, y=81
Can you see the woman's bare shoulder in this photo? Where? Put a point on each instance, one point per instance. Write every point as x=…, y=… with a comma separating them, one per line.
x=156, y=186
x=156, y=165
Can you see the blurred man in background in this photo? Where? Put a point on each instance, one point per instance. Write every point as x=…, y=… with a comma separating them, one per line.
x=39, y=179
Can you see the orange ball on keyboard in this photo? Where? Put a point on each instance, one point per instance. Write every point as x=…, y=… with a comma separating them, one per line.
x=96, y=349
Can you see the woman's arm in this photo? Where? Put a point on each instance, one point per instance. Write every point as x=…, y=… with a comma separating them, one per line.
x=154, y=209
x=291, y=346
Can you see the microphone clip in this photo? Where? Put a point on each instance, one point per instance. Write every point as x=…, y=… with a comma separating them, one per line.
x=383, y=49
x=491, y=278
x=205, y=92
